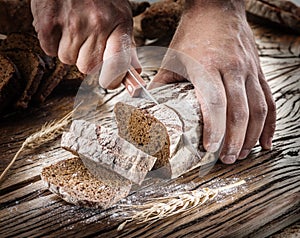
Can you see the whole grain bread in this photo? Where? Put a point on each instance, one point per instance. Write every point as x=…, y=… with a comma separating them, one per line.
x=106, y=155
x=31, y=68
x=144, y=131
x=50, y=81
x=71, y=180
x=27, y=41
x=9, y=82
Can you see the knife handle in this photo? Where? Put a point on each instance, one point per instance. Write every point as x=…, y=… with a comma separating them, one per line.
x=130, y=82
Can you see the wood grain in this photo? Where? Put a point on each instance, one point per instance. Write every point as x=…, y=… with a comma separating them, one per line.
x=268, y=202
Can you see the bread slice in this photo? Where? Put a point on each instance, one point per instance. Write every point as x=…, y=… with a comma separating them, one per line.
x=144, y=131
x=31, y=68
x=106, y=155
x=26, y=41
x=70, y=180
x=9, y=82
x=50, y=81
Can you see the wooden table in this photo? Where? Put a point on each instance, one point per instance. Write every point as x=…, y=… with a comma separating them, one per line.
x=267, y=203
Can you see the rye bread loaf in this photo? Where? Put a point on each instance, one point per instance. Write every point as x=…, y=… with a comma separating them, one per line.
x=31, y=68
x=105, y=154
x=97, y=146
x=71, y=180
x=9, y=82
x=161, y=18
x=179, y=111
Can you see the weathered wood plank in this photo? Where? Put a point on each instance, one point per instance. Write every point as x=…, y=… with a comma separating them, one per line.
x=269, y=201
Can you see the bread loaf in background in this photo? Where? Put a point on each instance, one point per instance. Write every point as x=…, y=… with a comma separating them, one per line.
x=39, y=73
x=10, y=82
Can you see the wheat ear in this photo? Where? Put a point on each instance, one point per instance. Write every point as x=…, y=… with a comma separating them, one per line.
x=160, y=208
x=47, y=133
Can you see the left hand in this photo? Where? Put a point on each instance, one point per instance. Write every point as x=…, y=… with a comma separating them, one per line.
x=224, y=67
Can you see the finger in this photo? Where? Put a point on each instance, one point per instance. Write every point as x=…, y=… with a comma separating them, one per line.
x=270, y=122
x=257, y=115
x=237, y=117
x=135, y=61
x=90, y=54
x=46, y=26
x=49, y=39
x=117, y=58
x=70, y=42
x=212, y=98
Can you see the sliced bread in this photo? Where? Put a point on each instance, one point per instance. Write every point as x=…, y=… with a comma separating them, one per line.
x=9, y=82
x=50, y=81
x=106, y=155
x=31, y=68
x=26, y=41
x=70, y=180
x=144, y=131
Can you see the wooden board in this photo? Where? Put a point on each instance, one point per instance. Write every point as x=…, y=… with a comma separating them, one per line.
x=268, y=202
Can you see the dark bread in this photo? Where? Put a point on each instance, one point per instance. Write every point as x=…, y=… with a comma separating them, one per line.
x=15, y=16
x=26, y=41
x=161, y=18
x=50, y=81
x=70, y=180
x=106, y=155
x=31, y=68
x=144, y=131
x=9, y=82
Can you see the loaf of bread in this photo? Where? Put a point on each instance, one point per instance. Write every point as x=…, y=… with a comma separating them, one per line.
x=111, y=159
x=161, y=18
x=40, y=73
x=71, y=181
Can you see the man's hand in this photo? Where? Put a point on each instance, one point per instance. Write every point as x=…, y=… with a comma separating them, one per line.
x=218, y=55
x=87, y=32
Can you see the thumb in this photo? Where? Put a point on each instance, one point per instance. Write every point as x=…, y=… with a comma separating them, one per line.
x=171, y=71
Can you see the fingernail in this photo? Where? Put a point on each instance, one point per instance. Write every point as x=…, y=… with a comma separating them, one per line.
x=244, y=154
x=229, y=159
x=213, y=147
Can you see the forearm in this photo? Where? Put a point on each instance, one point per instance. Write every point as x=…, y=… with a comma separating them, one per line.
x=225, y=4
x=215, y=8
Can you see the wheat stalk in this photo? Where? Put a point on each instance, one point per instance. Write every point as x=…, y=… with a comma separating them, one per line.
x=48, y=132
x=163, y=207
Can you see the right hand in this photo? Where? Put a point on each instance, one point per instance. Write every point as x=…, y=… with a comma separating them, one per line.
x=87, y=33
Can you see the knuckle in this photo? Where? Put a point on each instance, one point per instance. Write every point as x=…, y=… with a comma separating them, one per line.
x=239, y=117
x=74, y=26
x=260, y=111
x=234, y=64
